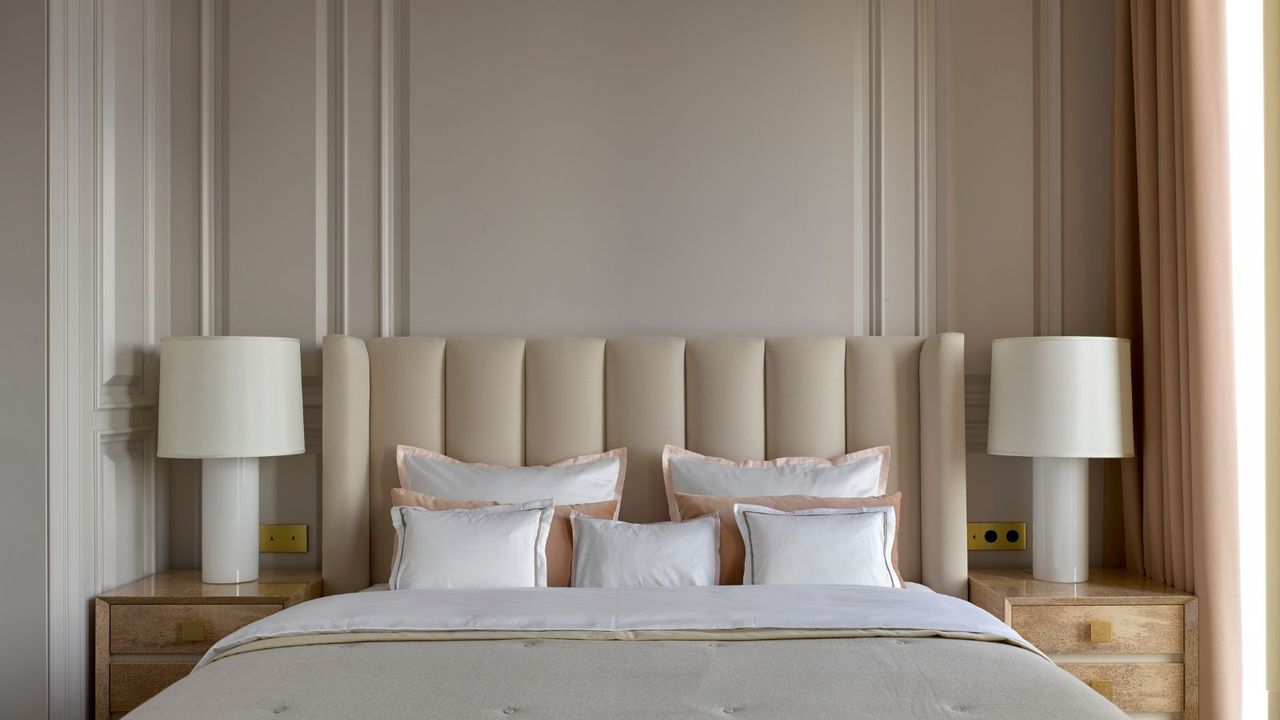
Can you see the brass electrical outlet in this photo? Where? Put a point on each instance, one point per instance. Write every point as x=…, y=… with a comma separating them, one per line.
x=997, y=536
x=282, y=538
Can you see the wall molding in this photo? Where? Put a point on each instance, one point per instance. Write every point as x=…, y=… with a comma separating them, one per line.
x=1048, y=167
x=213, y=167
x=332, y=192
x=902, y=206
x=870, y=167
x=98, y=411
x=392, y=78
x=72, y=194
x=926, y=300
x=977, y=399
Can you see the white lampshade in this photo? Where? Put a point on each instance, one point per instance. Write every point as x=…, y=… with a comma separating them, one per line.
x=230, y=397
x=1064, y=397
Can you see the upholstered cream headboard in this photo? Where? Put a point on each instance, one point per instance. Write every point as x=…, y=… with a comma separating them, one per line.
x=514, y=401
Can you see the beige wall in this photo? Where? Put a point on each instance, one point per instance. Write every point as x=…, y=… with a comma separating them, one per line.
x=1271, y=80
x=621, y=174
x=991, y=49
x=23, y=597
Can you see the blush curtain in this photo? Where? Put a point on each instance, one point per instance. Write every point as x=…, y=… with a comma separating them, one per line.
x=1172, y=297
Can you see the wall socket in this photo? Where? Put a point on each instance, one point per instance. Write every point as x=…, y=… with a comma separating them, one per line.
x=282, y=538
x=997, y=536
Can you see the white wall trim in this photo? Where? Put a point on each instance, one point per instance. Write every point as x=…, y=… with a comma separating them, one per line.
x=926, y=166
x=941, y=190
x=875, y=226
x=392, y=258
x=72, y=196
x=331, y=185
x=213, y=166
x=92, y=408
x=1048, y=167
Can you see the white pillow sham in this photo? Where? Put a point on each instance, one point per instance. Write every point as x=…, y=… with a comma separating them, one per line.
x=487, y=547
x=819, y=546
x=860, y=474
x=611, y=553
x=583, y=479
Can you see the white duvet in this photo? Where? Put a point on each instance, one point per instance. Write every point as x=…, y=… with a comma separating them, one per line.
x=634, y=613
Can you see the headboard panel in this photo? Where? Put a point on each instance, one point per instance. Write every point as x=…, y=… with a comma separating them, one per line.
x=514, y=401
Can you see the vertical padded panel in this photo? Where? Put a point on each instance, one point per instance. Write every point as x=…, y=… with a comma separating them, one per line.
x=943, y=512
x=724, y=397
x=406, y=406
x=564, y=399
x=344, y=477
x=804, y=397
x=644, y=410
x=484, y=389
x=882, y=407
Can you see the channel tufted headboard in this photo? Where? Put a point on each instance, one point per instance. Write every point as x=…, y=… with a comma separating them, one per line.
x=516, y=401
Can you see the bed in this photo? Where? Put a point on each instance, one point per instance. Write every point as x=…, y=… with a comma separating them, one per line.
x=767, y=651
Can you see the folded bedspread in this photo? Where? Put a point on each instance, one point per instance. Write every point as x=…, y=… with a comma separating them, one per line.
x=740, y=651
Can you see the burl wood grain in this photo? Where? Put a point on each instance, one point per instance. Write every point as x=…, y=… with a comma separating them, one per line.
x=1151, y=625
x=1065, y=629
x=157, y=628
x=134, y=683
x=1139, y=687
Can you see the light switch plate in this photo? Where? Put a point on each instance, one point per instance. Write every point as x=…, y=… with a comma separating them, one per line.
x=282, y=538
x=997, y=536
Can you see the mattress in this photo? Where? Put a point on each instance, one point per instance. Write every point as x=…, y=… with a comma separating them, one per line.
x=740, y=651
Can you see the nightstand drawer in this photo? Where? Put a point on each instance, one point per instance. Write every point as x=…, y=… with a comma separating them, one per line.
x=1102, y=629
x=1135, y=687
x=183, y=629
x=134, y=683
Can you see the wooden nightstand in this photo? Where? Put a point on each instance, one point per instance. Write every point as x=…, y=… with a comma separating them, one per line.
x=1130, y=638
x=150, y=633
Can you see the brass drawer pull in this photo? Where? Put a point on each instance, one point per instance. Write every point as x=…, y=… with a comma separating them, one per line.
x=1099, y=631
x=1105, y=688
x=191, y=631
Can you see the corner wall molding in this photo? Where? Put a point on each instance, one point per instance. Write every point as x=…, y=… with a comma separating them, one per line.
x=1048, y=167
x=72, y=195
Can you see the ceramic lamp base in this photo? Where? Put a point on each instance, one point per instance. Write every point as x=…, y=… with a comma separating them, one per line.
x=229, y=520
x=1060, y=519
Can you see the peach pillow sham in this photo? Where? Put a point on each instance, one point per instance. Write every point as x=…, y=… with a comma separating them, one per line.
x=864, y=473
x=559, y=539
x=732, y=549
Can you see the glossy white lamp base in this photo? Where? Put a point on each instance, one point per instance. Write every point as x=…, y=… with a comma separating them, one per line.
x=1060, y=519
x=229, y=520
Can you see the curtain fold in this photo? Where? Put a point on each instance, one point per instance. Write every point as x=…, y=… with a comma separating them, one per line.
x=1172, y=297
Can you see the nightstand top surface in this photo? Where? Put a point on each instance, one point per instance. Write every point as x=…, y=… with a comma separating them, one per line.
x=184, y=586
x=1117, y=586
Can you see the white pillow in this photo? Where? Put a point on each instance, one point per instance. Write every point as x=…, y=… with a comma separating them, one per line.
x=821, y=546
x=861, y=474
x=611, y=553
x=584, y=479
x=488, y=547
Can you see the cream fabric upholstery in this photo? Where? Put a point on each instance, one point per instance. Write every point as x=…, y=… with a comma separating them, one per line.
x=510, y=401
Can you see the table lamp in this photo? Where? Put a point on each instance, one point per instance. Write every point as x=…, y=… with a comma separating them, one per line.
x=229, y=401
x=1060, y=400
